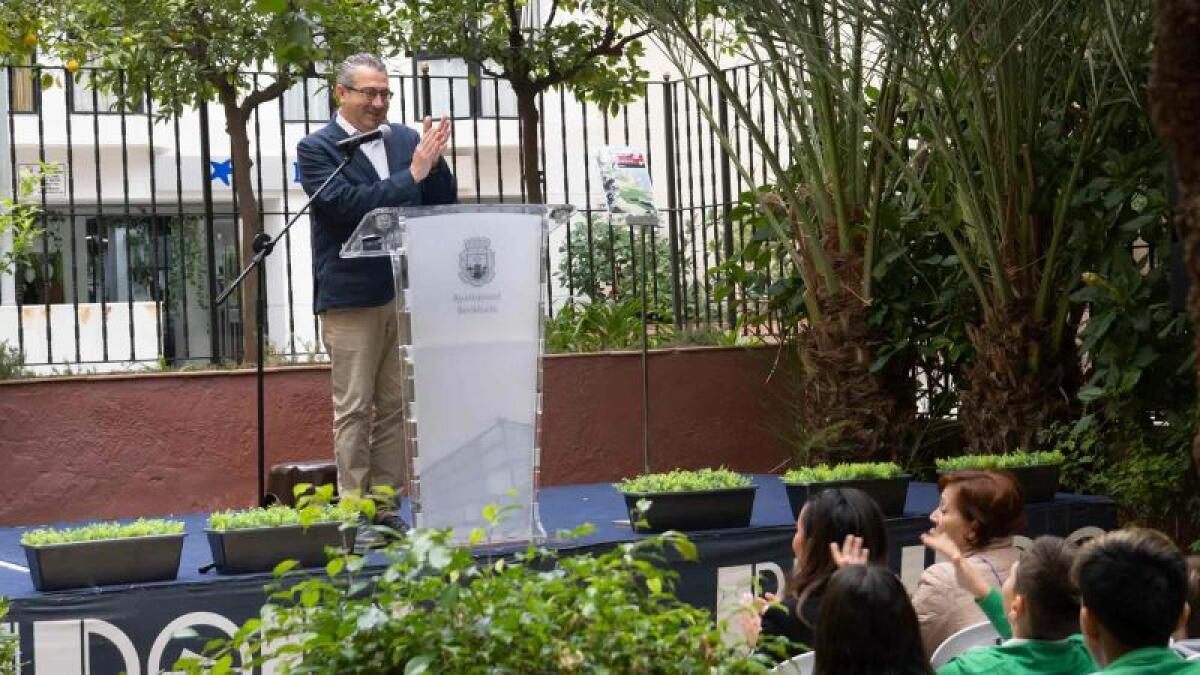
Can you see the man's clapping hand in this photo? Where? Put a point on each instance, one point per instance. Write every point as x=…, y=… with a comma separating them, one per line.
x=429, y=150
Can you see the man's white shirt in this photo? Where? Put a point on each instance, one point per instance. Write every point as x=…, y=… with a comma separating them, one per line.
x=373, y=150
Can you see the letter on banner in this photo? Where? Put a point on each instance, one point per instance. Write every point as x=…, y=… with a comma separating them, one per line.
x=58, y=646
x=734, y=584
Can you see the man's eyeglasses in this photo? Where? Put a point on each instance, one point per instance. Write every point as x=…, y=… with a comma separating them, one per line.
x=371, y=92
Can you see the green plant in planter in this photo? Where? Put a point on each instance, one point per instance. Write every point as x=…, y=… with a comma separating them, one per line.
x=680, y=480
x=278, y=516
x=142, y=527
x=1014, y=460
x=824, y=473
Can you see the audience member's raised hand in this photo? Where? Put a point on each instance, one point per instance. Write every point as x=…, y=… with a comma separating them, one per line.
x=965, y=574
x=851, y=552
x=749, y=617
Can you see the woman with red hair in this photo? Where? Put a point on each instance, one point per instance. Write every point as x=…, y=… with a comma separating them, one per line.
x=980, y=511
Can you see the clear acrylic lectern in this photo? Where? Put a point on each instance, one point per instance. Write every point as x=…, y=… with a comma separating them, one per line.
x=470, y=282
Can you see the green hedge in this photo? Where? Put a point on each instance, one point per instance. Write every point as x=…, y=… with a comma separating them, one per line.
x=98, y=531
x=824, y=473
x=680, y=480
x=993, y=462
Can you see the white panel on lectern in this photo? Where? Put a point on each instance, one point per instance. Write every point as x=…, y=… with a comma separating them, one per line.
x=470, y=283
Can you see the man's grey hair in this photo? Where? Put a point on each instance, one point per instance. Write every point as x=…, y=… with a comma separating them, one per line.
x=345, y=71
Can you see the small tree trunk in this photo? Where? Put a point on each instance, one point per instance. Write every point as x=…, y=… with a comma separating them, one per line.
x=847, y=412
x=1007, y=400
x=1175, y=111
x=243, y=185
x=530, y=150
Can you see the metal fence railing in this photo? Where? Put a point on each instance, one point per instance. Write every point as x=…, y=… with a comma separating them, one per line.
x=141, y=222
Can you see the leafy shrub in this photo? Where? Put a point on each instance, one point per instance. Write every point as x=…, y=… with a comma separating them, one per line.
x=823, y=473
x=680, y=480
x=1014, y=460
x=8, y=645
x=277, y=516
x=438, y=609
x=12, y=362
x=1146, y=470
x=141, y=527
x=601, y=326
x=608, y=264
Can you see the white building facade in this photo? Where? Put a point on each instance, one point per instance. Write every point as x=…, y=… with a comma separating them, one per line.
x=121, y=279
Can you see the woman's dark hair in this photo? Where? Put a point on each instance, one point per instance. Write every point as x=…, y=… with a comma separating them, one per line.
x=828, y=517
x=867, y=626
x=989, y=500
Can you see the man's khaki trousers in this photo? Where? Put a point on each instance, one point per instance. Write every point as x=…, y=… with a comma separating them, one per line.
x=368, y=417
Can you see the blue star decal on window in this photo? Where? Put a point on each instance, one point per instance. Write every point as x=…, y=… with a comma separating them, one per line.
x=221, y=171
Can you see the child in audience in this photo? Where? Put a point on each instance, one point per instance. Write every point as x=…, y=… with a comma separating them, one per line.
x=1036, y=610
x=1133, y=588
x=866, y=626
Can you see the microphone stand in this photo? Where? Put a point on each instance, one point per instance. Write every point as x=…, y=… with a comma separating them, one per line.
x=263, y=245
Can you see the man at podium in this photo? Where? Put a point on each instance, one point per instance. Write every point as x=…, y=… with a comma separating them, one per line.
x=355, y=298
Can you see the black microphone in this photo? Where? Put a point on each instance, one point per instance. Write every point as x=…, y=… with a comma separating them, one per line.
x=349, y=145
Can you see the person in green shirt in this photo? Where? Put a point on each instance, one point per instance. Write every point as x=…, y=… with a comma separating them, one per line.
x=1133, y=585
x=1036, y=610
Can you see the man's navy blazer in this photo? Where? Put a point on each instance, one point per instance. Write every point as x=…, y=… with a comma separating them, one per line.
x=361, y=282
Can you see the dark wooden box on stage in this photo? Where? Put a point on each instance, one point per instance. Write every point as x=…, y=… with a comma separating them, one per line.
x=286, y=476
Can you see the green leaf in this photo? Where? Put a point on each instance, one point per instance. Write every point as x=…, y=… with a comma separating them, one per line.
x=335, y=566
x=284, y=567
x=686, y=549
x=418, y=665
x=491, y=513
x=310, y=596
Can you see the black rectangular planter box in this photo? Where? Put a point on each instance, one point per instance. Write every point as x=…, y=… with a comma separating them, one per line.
x=105, y=561
x=261, y=549
x=1038, y=483
x=698, y=510
x=888, y=493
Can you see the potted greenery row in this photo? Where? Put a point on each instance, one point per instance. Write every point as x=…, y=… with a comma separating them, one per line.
x=256, y=540
x=1036, y=472
x=885, y=482
x=103, y=553
x=688, y=500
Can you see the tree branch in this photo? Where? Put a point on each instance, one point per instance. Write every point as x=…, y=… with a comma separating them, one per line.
x=268, y=93
x=553, y=11
x=606, y=48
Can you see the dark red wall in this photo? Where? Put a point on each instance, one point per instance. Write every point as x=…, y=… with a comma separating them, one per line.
x=154, y=444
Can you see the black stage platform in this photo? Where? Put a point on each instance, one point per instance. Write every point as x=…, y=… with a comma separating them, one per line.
x=129, y=628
